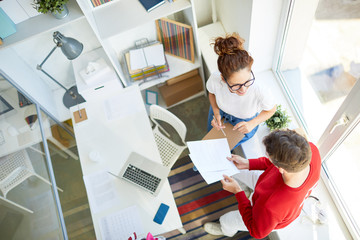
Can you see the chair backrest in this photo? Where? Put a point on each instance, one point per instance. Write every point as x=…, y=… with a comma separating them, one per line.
x=169, y=150
x=14, y=169
x=159, y=113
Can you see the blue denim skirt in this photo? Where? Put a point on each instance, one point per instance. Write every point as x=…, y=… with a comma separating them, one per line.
x=233, y=121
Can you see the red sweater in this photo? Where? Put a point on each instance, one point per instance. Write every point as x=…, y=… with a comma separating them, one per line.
x=275, y=205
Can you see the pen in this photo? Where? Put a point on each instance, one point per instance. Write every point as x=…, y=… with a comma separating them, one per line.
x=220, y=128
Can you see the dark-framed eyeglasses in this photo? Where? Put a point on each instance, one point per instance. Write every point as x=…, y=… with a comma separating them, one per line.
x=248, y=83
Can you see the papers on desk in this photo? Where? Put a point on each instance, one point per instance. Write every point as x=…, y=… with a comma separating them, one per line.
x=209, y=157
x=122, y=224
x=101, y=191
x=121, y=106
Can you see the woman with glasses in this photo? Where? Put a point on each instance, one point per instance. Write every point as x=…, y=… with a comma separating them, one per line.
x=233, y=92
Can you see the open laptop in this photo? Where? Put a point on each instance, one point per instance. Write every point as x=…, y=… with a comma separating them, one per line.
x=144, y=173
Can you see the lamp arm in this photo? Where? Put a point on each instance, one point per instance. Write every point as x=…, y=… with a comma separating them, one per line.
x=51, y=52
x=39, y=67
x=53, y=79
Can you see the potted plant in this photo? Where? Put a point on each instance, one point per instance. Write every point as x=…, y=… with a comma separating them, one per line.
x=279, y=120
x=55, y=7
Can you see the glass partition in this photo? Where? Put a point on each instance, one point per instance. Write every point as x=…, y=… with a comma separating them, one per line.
x=28, y=206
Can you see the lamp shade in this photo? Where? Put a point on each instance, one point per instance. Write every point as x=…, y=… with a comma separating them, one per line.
x=70, y=47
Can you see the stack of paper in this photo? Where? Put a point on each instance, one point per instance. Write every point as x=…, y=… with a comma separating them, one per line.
x=144, y=62
x=209, y=157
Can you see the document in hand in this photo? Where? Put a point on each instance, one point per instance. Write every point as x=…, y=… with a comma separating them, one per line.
x=209, y=157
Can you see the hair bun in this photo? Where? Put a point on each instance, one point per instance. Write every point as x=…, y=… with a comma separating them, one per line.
x=228, y=45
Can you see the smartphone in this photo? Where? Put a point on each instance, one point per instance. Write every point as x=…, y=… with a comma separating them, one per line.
x=161, y=213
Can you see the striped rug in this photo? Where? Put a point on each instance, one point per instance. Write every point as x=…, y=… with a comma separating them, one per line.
x=198, y=202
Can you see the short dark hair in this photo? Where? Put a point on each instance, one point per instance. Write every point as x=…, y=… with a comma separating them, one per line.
x=288, y=149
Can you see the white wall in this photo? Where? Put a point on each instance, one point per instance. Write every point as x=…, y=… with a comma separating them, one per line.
x=265, y=20
x=255, y=21
x=24, y=76
x=203, y=12
x=235, y=16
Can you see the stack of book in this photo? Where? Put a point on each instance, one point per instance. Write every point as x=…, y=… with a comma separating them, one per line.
x=146, y=62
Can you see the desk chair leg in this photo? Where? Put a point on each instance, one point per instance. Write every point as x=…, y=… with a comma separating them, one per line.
x=45, y=180
x=37, y=150
x=15, y=206
x=63, y=148
x=182, y=230
x=61, y=153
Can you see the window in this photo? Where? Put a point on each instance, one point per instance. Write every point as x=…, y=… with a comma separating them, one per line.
x=318, y=66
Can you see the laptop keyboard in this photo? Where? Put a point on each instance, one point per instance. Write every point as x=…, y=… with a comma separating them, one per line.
x=141, y=178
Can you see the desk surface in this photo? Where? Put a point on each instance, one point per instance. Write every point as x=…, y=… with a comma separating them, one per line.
x=114, y=140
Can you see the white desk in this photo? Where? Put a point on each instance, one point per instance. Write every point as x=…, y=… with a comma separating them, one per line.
x=115, y=140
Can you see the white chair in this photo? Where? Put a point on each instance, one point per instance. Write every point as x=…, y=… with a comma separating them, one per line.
x=169, y=150
x=14, y=169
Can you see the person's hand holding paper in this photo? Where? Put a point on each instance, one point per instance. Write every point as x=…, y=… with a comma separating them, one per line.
x=231, y=185
x=210, y=158
x=239, y=162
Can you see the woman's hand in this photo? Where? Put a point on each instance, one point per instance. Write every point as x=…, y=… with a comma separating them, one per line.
x=229, y=184
x=239, y=162
x=244, y=127
x=216, y=122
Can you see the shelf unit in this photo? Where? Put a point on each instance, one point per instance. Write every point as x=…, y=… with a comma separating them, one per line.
x=119, y=23
x=128, y=14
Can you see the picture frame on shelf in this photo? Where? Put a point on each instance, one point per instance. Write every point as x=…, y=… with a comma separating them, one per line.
x=151, y=97
x=177, y=38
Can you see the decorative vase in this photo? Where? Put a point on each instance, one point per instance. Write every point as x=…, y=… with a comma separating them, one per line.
x=64, y=12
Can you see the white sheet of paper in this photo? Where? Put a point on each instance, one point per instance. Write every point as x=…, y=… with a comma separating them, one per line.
x=137, y=59
x=121, y=224
x=121, y=105
x=155, y=55
x=209, y=157
x=101, y=191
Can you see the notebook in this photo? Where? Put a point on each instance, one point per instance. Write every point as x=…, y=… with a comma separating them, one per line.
x=144, y=173
x=151, y=4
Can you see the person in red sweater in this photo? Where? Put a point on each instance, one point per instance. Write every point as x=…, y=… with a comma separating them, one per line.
x=281, y=182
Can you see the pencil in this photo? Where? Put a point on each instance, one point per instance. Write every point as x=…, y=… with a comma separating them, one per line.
x=220, y=128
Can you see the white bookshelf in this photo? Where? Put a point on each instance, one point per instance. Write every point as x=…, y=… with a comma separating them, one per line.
x=120, y=23
x=118, y=16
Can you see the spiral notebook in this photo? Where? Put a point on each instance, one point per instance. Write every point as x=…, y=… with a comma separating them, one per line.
x=151, y=4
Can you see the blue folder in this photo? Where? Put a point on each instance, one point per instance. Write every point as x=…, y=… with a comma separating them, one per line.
x=7, y=26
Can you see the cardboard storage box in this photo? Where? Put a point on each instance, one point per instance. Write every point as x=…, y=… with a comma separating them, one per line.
x=178, y=91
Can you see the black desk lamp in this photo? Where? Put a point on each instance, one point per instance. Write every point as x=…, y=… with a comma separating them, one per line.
x=71, y=48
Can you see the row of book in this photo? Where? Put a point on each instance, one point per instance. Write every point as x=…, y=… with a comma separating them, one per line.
x=96, y=3
x=146, y=62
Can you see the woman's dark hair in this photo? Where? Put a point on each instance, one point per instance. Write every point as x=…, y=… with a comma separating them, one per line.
x=288, y=149
x=232, y=55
